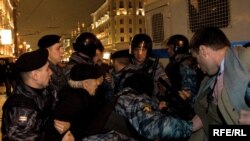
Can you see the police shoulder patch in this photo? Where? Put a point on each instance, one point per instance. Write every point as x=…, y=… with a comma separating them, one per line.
x=147, y=108
x=23, y=118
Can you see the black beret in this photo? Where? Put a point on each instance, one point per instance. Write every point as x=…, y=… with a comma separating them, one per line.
x=48, y=40
x=84, y=71
x=120, y=54
x=31, y=60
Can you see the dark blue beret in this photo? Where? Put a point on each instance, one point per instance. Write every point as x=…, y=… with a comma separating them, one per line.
x=120, y=54
x=31, y=60
x=81, y=72
x=48, y=40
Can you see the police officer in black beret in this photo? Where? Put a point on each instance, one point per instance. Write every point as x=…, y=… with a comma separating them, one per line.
x=52, y=43
x=28, y=109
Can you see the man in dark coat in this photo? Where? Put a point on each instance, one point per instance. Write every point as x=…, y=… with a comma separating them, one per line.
x=77, y=102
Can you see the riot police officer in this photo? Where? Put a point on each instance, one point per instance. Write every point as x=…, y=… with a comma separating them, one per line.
x=85, y=47
x=182, y=68
x=142, y=58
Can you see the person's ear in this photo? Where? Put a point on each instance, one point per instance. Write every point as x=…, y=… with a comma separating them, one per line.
x=203, y=50
x=34, y=75
x=85, y=84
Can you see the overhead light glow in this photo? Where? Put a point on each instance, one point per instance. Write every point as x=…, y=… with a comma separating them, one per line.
x=6, y=36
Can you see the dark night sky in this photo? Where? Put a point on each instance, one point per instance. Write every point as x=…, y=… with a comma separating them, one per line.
x=39, y=17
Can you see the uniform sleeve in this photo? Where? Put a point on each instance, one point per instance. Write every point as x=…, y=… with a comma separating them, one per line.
x=58, y=79
x=160, y=73
x=189, y=78
x=21, y=124
x=152, y=124
x=159, y=89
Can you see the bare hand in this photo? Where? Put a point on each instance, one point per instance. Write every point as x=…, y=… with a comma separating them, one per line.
x=61, y=126
x=197, y=123
x=68, y=137
x=185, y=94
x=244, y=117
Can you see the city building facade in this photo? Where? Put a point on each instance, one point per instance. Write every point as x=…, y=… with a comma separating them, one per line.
x=117, y=21
x=6, y=29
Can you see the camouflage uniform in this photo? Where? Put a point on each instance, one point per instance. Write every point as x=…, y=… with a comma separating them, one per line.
x=148, y=121
x=120, y=77
x=58, y=79
x=109, y=136
x=156, y=73
x=182, y=72
x=26, y=113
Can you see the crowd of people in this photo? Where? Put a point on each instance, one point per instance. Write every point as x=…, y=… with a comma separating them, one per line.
x=134, y=97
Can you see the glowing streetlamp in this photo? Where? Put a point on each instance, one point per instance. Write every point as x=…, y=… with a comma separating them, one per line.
x=6, y=36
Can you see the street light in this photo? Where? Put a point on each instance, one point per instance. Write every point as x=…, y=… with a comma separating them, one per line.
x=6, y=36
